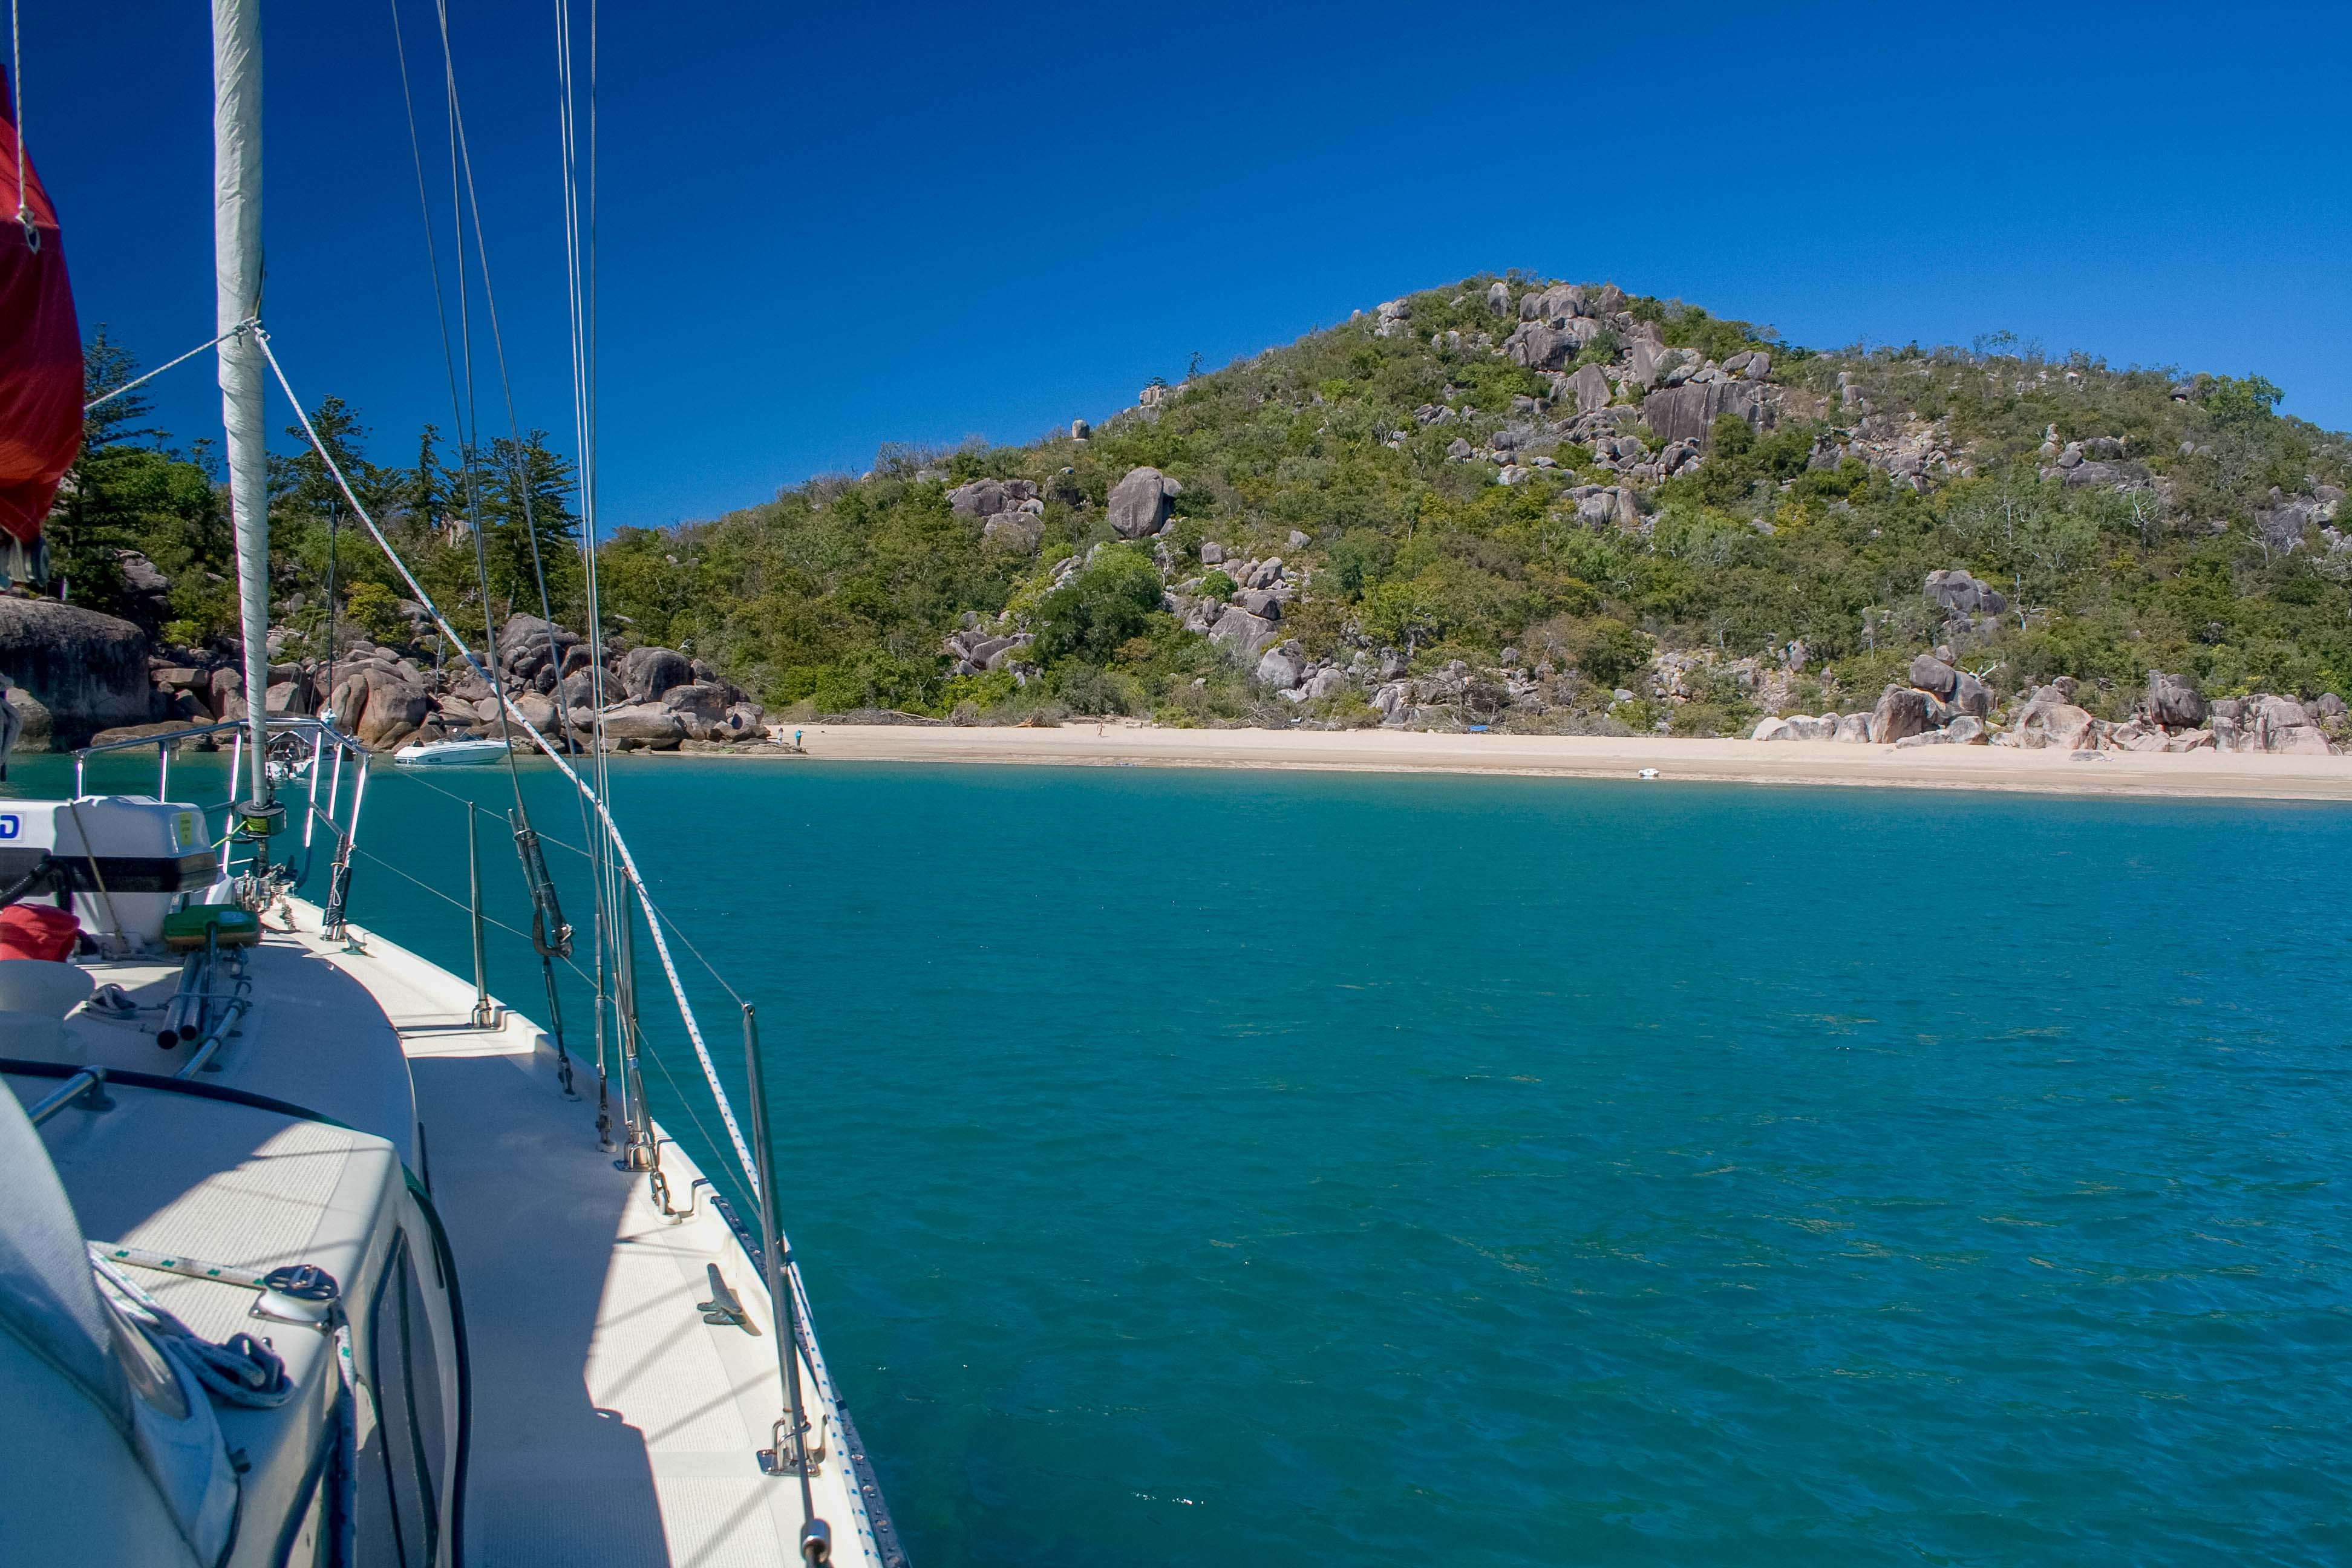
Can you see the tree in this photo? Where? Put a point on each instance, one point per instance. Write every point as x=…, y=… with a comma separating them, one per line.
x=530, y=533
x=1102, y=606
x=127, y=492
x=1400, y=613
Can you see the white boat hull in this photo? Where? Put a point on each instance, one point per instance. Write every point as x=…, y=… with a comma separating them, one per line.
x=451, y=754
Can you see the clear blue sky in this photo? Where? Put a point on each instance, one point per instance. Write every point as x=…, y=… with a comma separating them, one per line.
x=826, y=228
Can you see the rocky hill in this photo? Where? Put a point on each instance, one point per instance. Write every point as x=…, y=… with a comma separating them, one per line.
x=1509, y=501
x=1529, y=504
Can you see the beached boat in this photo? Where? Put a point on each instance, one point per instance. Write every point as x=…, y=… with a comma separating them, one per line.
x=471, y=754
x=318, y=1253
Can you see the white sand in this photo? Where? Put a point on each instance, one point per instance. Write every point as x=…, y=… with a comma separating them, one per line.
x=2196, y=773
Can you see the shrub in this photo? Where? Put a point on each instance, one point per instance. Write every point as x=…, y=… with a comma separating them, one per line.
x=1218, y=586
x=1100, y=608
x=1609, y=652
x=376, y=609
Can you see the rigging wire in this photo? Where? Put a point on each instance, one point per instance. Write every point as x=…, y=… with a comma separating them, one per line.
x=580, y=303
x=241, y=327
x=469, y=441
x=461, y=406
x=633, y=877
x=462, y=161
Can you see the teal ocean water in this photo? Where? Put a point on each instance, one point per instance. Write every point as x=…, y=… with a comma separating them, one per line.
x=1233, y=1167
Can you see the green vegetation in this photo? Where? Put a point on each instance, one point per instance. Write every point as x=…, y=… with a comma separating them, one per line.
x=133, y=491
x=838, y=592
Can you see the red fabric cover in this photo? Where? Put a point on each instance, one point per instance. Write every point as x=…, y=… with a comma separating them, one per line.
x=40, y=350
x=38, y=931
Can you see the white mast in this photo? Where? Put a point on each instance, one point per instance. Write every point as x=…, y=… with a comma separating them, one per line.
x=236, y=274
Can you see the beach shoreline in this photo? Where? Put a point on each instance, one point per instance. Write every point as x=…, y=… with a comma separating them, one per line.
x=2188, y=775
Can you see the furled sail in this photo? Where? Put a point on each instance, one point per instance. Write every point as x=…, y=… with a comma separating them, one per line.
x=41, y=361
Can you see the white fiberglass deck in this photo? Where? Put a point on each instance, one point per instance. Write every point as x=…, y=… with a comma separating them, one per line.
x=609, y=1422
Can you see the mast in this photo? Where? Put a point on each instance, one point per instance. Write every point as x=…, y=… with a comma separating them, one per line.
x=236, y=276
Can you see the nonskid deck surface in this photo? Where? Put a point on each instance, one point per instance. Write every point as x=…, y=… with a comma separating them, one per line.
x=610, y=1424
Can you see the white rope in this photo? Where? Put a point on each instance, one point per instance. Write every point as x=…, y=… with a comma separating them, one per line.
x=636, y=881
x=241, y=1370
x=17, y=97
x=245, y=326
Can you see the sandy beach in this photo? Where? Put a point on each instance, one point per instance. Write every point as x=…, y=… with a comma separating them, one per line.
x=2242, y=776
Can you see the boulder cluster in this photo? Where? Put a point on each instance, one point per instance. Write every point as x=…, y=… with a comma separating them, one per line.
x=1243, y=622
x=1009, y=510
x=1608, y=372
x=1943, y=705
x=653, y=699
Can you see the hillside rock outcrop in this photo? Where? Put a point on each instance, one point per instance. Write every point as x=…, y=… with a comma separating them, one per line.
x=86, y=671
x=1688, y=412
x=1139, y=504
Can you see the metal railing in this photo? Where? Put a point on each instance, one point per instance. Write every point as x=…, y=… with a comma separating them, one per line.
x=795, y=1445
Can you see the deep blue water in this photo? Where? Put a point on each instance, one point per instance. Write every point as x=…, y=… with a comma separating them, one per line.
x=1236, y=1167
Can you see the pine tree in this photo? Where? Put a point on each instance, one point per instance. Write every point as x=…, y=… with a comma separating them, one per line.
x=526, y=499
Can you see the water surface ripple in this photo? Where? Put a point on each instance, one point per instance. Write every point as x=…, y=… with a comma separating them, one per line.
x=1281, y=1168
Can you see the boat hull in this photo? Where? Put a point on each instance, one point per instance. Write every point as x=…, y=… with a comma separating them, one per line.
x=451, y=754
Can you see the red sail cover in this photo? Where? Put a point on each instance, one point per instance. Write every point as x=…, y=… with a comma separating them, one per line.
x=40, y=350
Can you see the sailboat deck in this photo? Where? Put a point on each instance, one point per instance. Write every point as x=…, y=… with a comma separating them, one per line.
x=611, y=1423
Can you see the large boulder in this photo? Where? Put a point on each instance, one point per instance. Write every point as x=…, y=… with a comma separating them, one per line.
x=539, y=712
x=2283, y=725
x=647, y=672
x=1688, y=413
x=378, y=707
x=1281, y=669
x=528, y=645
x=1539, y=347
x=2174, y=701
x=742, y=722
x=1559, y=302
x=1853, y=729
x=1971, y=696
x=1138, y=503
x=699, y=701
x=1647, y=364
x=1241, y=633
x=1956, y=593
x=981, y=498
x=645, y=724
x=2055, y=725
x=1018, y=531
x=89, y=671
x=1590, y=389
x=1901, y=713
x=1931, y=674
x=28, y=723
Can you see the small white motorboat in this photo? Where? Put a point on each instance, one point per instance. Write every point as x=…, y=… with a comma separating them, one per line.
x=451, y=753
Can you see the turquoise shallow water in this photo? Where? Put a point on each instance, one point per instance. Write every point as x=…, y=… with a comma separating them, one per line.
x=1245, y=1168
